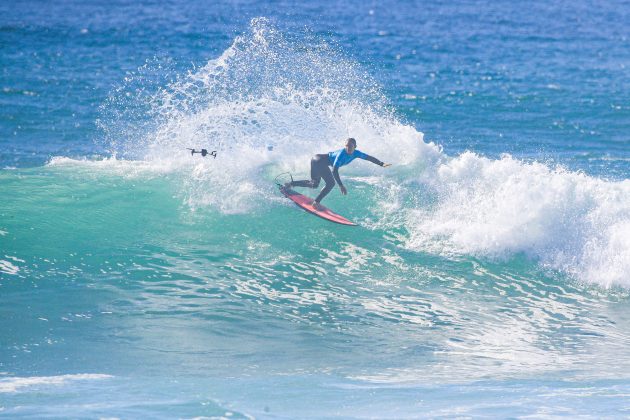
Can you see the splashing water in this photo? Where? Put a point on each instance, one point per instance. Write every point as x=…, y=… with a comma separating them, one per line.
x=267, y=100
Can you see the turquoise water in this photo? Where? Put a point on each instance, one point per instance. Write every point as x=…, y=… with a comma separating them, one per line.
x=488, y=277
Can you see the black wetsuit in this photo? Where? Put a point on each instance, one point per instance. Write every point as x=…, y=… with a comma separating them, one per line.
x=320, y=169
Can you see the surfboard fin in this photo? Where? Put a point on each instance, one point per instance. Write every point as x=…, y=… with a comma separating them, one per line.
x=279, y=183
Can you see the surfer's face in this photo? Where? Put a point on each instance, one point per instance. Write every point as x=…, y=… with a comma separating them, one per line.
x=350, y=146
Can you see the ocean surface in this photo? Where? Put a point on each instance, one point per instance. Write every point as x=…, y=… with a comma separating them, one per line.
x=489, y=276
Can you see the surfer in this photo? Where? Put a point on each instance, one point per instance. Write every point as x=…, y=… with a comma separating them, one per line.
x=320, y=169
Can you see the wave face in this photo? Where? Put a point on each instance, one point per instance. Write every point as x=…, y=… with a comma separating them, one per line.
x=270, y=102
x=185, y=286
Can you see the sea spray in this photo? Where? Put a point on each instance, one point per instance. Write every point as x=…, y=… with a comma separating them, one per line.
x=269, y=100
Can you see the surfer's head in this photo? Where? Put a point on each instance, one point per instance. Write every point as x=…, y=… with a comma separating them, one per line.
x=351, y=144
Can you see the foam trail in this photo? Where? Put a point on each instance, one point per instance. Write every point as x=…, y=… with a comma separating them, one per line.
x=16, y=384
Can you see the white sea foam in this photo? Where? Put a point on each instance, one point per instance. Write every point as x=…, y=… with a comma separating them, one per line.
x=8, y=268
x=15, y=384
x=497, y=208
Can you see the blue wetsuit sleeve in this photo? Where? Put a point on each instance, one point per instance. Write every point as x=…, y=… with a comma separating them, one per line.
x=369, y=158
x=359, y=154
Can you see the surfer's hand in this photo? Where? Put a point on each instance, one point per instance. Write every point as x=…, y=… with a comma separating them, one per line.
x=343, y=190
x=385, y=165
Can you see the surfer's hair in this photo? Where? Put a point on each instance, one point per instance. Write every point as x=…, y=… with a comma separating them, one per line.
x=352, y=140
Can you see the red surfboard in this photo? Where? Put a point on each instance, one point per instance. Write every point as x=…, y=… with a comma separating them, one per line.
x=307, y=204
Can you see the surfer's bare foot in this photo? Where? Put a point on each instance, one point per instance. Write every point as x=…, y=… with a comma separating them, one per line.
x=287, y=185
x=316, y=205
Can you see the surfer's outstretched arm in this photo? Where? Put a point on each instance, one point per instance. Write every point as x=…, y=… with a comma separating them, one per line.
x=373, y=160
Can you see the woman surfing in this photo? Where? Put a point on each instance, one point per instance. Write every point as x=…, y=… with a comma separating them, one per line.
x=320, y=168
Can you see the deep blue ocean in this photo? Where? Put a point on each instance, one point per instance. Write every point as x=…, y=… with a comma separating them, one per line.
x=489, y=276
